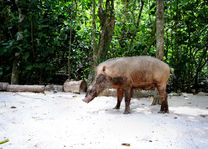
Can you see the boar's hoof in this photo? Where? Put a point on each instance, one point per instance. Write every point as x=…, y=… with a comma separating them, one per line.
x=116, y=107
x=126, y=112
x=163, y=112
x=164, y=107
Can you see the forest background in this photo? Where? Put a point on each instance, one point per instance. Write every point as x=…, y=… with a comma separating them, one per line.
x=48, y=41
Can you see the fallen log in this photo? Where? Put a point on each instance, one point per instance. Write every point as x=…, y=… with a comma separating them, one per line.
x=3, y=86
x=75, y=86
x=26, y=88
x=136, y=93
x=52, y=87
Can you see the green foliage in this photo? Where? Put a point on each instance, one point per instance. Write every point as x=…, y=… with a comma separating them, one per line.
x=42, y=50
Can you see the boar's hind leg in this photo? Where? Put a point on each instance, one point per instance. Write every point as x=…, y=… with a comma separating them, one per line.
x=119, y=98
x=128, y=94
x=163, y=98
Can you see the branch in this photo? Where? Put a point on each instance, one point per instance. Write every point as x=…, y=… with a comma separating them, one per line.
x=151, y=41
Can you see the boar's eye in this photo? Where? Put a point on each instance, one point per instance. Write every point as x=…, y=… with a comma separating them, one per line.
x=100, y=78
x=92, y=92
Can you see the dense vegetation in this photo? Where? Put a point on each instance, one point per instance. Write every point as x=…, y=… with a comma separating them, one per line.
x=47, y=41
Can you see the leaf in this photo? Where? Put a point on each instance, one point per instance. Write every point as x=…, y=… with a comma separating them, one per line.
x=26, y=55
x=1, y=71
x=29, y=67
x=125, y=144
x=4, y=141
x=68, y=3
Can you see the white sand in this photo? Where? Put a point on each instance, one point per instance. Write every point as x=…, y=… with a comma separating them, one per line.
x=63, y=121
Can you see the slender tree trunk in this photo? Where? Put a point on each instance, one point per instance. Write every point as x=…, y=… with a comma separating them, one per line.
x=167, y=44
x=177, y=71
x=137, y=25
x=151, y=41
x=70, y=44
x=94, y=43
x=15, y=71
x=160, y=29
x=32, y=35
x=176, y=32
x=160, y=38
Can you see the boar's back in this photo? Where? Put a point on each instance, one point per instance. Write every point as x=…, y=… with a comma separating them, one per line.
x=139, y=71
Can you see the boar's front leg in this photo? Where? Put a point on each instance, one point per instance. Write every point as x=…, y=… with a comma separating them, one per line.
x=119, y=98
x=128, y=94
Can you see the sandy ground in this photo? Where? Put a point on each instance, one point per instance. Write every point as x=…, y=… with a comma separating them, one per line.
x=63, y=121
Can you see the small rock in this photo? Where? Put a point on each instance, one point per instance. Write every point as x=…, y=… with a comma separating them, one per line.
x=185, y=94
x=203, y=115
x=3, y=86
x=202, y=94
x=13, y=107
x=193, y=91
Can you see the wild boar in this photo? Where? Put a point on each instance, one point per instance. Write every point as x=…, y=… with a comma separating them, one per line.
x=128, y=73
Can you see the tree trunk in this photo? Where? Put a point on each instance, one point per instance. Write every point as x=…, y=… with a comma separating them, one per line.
x=107, y=21
x=15, y=71
x=26, y=88
x=160, y=29
x=137, y=25
x=94, y=46
x=32, y=35
x=177, y=70
x=94, y=43
x=70, y=44
x=160, y=38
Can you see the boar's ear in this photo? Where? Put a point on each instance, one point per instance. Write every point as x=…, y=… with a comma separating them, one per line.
x=104, y=68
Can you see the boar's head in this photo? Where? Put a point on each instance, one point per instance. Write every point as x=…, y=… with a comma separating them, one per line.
x=99, y=84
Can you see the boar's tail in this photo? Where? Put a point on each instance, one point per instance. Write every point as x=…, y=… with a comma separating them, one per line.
x=174, y=76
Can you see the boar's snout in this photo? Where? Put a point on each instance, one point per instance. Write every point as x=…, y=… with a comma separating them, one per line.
x=88, y=99
x=98, y=85
x=91, y=94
